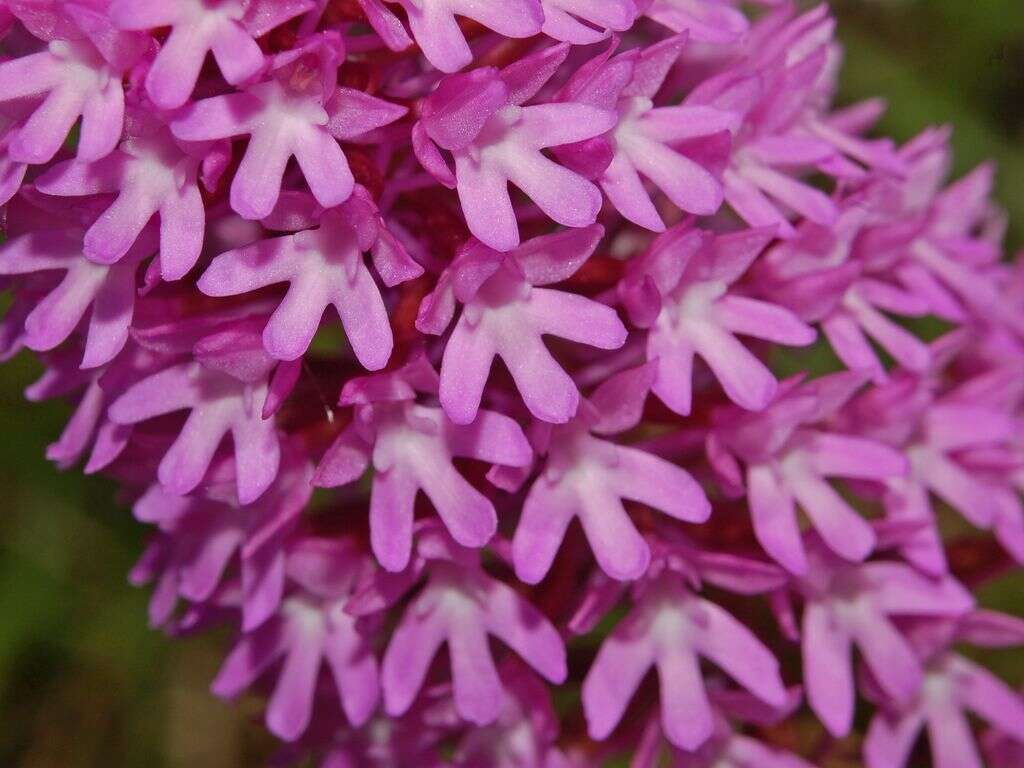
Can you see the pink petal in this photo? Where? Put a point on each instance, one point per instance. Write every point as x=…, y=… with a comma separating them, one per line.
x=250, y=657
x=686, y=714
x=478, y=692
x=762, y=320
x=890, y=658
x=111, y=317
x=889, y=742
x=391, y=518
x=237, y=54
x=102, y=121
x=483, y=192
x=220, y=117
x=467, y=513
x=290, y=708
x=545, y=518
x=548, y=391
x=739, y=653
x=182, y=228
x=365, y=319
x=673, y=384
x=464, y=371
x=526, y=631
x=173, y=75
x=577, y=318
x=325, y=168
x=773, y=513
x=565, y=196
x=835, y=455
x=43, y=134
x=412, y=648
x=618, y=547
x=845, y=532
x=613, y=678
x=828, y=670
x=492, y=437
x=651, y=480
x=257, y=184
x=116, y=230
x=989, y=697
x=745, y=379
x=951, y=739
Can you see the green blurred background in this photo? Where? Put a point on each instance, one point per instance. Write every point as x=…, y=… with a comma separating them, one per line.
x=84, y=683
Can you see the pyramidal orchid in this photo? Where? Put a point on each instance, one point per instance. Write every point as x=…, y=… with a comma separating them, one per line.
x=226, y=28
x=77, y=74
x=953, y=687
x=106, y=293
x=310, y=630
x=679, y=290
x=479, y=118
x=150, y=173
x=784, y=460
x=412, y=448
x=649, y=141
x=847, y=606
x=493, y=371
x=588, y=478
x=671, y=628
x=461, y=606
x=323, y=266
x=220, y=404
x=298, y=111
x=506, y=313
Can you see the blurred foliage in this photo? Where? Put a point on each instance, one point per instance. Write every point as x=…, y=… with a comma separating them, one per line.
x=84, y=683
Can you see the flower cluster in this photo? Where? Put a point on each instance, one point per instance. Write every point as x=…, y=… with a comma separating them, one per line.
x=651, y=213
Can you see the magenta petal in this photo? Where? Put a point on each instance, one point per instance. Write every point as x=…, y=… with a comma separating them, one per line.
x=889, y=741
x=391, y=516
x=407, y=660
x=612, y=680
x=686, y=713
x=828, y=670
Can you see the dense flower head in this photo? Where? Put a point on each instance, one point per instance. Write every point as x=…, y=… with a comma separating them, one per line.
x=364, y=302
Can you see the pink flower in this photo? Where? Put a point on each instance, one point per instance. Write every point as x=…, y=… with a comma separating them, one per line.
x=826, y=275
x=505, y=314
x=201, y=535
x=412, y=448
x=298, y=112
x=219, y=405
x=75, y=76
x=672, y=629
x=588, y=478
x=108, y=290
x=939, y=437
x=679, y=290
x=434, y=26
x=311, y=629
x=478, y=117
x=151, y=174
x=225, y=28
x=788, y=461
x=652, y=140
x=323, y=267
x=461, y=606
x=853, y=605
x=952, y=686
